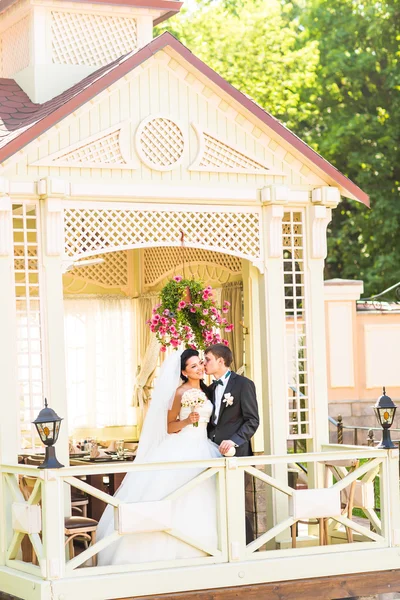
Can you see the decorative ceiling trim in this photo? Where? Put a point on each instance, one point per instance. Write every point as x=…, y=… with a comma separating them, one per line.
x=108, y=149
x=217, y=156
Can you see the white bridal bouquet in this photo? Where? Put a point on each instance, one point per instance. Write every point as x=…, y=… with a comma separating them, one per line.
x=193, y=399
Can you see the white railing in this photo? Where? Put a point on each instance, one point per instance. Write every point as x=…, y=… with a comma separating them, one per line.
x=40, y=515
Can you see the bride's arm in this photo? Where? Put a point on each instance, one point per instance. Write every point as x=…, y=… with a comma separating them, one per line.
x=174, y=425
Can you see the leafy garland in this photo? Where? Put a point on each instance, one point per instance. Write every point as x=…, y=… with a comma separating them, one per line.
x=189, y=315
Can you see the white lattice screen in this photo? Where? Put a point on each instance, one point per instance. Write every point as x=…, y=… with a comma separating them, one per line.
x=90, y=231
x=160, y=143
x=296, y=330
x=92, y=40
x=220, y=156
x=29, y=334
x=105, y=150
x=15, y=48
x=160, y=262
x=112, y=273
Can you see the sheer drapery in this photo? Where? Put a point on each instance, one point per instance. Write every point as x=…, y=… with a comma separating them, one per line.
x=233, y=293
x=101, y=357
x=149, y=353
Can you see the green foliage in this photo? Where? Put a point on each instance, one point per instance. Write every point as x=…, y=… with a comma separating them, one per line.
x=329, y=69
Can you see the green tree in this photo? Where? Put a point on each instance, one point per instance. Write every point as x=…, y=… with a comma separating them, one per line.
x=356, y=125
x=256, y=48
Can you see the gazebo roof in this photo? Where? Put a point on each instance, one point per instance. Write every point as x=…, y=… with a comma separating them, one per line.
x=22, y=121
x=168, y=8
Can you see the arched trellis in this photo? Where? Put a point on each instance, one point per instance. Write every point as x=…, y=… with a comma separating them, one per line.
x=91, y=231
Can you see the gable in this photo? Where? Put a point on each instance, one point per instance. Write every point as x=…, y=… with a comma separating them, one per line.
x=159, y=125
x=165, y=80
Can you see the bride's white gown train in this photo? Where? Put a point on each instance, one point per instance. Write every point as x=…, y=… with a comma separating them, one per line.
x=194, y=513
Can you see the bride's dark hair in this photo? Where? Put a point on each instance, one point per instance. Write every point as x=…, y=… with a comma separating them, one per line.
x=186, y=354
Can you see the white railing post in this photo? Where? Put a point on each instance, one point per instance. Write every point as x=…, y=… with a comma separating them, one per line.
x=235, y=504
x=53, y=526
x=390, y=498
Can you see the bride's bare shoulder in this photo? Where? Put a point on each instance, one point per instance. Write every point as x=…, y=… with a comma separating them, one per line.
x=181, y=390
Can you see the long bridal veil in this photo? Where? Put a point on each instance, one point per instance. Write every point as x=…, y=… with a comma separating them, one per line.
x=154, y=430
x=137, y=486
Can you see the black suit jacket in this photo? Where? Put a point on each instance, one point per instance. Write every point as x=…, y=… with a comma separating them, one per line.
x=237, y=422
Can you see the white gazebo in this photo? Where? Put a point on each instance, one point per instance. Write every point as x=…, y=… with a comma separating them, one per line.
x=125, y=159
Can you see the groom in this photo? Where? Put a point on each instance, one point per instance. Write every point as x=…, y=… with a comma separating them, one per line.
x=234, y=419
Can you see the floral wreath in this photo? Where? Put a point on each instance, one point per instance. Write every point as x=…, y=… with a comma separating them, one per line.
x=189, y=315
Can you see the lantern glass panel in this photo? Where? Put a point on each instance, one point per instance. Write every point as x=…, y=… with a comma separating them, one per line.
x=46, y=432
x=386, y=416
x=56, y=430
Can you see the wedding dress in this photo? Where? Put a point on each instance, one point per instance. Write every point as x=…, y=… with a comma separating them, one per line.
x=194, y=513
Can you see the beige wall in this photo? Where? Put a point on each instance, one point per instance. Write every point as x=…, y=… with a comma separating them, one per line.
x=363, y=355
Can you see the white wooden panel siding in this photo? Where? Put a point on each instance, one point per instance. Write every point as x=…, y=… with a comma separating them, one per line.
x=161, y=88
x=29, y=320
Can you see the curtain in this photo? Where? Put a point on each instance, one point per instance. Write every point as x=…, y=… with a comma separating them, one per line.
x=149, y=357
x=101, y=357
x=233, y=293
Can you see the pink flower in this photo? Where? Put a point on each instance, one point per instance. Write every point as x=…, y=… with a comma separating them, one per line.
x=153, y=328
x=166, y=312
x=189, y=336
x=202, y=322
x=178, y=278
x=164, y=321
x=229, y=328
x=192, y=310
x=186, y=328
x=156, y=317
x=162, y=330
x=226, y=303
x=214, y=310
x=163, y=349
x=205, y=296
x=172, y=329
x=205, y=311
x=182, y=304
x=192, y=346
x=173, y=321
x=225, y=342
x=224, y=321
x=225, y=310
x=175, y=343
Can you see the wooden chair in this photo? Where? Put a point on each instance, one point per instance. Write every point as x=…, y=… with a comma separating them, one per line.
x=82, y=528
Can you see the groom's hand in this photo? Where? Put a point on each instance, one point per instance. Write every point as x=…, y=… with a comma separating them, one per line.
x=225, y=446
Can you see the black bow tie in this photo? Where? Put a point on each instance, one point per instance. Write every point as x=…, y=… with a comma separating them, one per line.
x=218, y=382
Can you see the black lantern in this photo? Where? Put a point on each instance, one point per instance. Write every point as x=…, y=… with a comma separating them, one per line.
x=48, y=426
x=385, y=410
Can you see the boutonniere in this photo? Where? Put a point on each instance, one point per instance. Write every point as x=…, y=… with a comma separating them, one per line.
x=228, y=399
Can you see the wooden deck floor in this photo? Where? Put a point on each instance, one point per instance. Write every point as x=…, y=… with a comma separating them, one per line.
x=321, y=588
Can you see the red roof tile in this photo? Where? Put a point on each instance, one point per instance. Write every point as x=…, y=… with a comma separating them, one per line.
x=20, y=125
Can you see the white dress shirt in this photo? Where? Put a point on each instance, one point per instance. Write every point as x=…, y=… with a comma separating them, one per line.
x=219, y=394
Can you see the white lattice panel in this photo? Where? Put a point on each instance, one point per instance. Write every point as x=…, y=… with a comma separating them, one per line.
x=15, y=54
x=29, y=328
x=92, y=40
x=112, y=273
x=105, y=150
x=160, y=143
x=215, y=155
x=159, y=262
x=89, y=231
x=296, y=325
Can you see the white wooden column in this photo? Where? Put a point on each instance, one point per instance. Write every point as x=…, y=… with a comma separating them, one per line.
x=272, y=341
x=318, y=215
x=52, y=245
x=254, y=366
x=9, y=403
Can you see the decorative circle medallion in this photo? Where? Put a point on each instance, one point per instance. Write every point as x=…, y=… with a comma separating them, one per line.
x=160, y=143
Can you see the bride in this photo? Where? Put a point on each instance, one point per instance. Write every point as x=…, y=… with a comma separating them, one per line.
x=170, y=434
